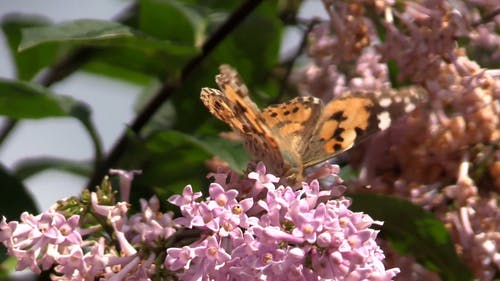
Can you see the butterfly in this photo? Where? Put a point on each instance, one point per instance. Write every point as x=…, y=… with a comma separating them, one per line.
x=302, y=132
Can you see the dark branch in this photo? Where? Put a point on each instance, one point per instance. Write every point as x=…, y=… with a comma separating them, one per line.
x=489, y=17
x=169, y=87
x=7, y=127
x=289, y=64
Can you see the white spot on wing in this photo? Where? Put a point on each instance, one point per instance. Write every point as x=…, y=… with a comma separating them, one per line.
x=385, y=102
x=409, y=107
x=384, y=120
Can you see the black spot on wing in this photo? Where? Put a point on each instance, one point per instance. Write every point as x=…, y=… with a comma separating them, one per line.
x=217, y=105
x=338, y=116
x=358, y=131
x=241, y=108
x=337, y=134
x=245, y=128
x=337, y=147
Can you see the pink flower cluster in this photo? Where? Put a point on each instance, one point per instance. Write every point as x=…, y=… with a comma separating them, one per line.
x=272, y=233
x=283, y=234
x=78, y=248
x=444, y=156
x=39, y=241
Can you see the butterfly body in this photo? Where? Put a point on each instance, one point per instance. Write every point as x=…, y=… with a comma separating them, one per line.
x=302, y=132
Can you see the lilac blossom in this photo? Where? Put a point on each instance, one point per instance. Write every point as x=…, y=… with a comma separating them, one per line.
x=37, y=241
x=76, y=246
x=444, y=155
x=287, y=229
x=126, y=178
x=280, y=232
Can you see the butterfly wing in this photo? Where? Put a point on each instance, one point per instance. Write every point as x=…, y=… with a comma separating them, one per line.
x=233, y=106
x=292, y=123
x=351, y=119
x=221, y=107
x=236, y=92
x=303, y=132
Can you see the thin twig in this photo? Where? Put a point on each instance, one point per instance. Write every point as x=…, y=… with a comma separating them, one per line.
x=290, y=63
x=487, y=18
x=168, y=88
x=7, y=127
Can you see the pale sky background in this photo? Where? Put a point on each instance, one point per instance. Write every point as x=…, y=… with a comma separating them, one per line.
x=111, y=100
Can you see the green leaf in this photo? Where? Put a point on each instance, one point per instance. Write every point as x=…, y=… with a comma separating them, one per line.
x=99, y=33
x=393, y=73
x=124, y=45
x=347, y=173
x=229, y=151
x=8, y=265
x=118, y=72
x=168, y=162
x=27, y=168
x=79, y=31
x=15, y=199
x=171, y=160
x=172, y=20
x=164, y=117
x=30, y=62
x=28, y=100
x=253, y=56
x=20, y=100
x=412, y=230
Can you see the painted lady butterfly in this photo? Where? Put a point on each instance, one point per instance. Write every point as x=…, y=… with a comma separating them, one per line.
x=302, y=132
